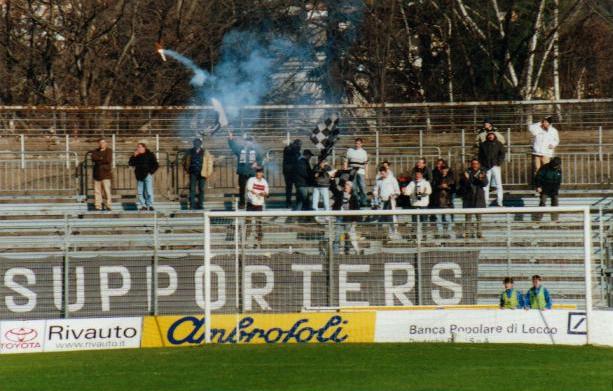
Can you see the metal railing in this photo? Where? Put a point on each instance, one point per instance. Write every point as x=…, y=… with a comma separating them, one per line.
x=39, y=173
x=397, y=118
x=62, y=174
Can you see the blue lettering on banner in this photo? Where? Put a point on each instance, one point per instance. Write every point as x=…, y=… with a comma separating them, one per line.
x=300, y=332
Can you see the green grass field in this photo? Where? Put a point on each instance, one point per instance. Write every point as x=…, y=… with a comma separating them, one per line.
x=315, y=367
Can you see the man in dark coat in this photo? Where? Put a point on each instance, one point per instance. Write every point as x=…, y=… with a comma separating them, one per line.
x=491, y=157
x=250, y=158
x=145, y=164
x=102, y=157
x=443, y=188
x=192, y=164
x=291, y=154
x=346, y=227
x=473, y=196
x=548, y=181
x=303, y=178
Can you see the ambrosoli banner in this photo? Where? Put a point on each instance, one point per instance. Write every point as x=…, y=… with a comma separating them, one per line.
x=106, y=286
x=189, y=330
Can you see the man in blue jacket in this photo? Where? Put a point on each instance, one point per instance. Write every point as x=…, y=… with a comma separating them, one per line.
x=538, y=297
x=511, y=298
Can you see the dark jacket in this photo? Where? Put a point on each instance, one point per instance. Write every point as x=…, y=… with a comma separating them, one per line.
x=291, y=154
x=322, y=176
x=549, y=178
x=144, y=164
x=103, y=164
x=247, y=157
x=337, y=197
x=427, y=173
x=473, y=195
x=192, y=164
x=442, y=197
x=303, y=175
x=491, y=153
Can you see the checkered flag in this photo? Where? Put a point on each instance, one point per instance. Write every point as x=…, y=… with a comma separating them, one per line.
x=324, y=136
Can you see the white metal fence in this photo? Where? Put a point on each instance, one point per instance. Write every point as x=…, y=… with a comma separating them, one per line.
x=287, y=262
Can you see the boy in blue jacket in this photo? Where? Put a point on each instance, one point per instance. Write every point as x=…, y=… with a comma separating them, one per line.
x=538, y=297
x=511, y=298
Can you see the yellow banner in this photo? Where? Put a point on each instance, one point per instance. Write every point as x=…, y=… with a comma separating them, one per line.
x=345, y=327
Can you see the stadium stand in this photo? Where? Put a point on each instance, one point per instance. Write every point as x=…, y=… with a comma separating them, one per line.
x=45, y=190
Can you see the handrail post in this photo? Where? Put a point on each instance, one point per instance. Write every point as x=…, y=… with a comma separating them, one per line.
x=463, y=142
x=67, y=141
x=23, y=150
x=154, y=273
x=509, y=144
x=207, y=276
x=66, y=265
x=587, y=256
x=600, y=143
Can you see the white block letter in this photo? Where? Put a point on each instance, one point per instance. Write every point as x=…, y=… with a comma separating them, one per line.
x=257, y=294
x=58, y=279
x=344, y=286
x=307, y=271
x=105, y=292
x=218, y=273
x=452, y=286
x=398, y=291
x=22, y=290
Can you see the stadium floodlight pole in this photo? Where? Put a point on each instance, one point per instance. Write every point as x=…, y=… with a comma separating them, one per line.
x=207, y=276
x=587, y=251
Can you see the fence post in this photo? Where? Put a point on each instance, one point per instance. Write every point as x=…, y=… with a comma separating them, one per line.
x=207, y=276
x=418, y=259
x=377, y=147
x=601, y=252
x=154, y=275
x=587, y=256
x=330, y=262
x=421, y=142
x=237, y=278
x=113, y=147
x=66, y=267
x=463, y=142
x=157, y=146
x=509, y=144
x=23, y=150
x=509, y=242
x=600, y=143
x=67, y=140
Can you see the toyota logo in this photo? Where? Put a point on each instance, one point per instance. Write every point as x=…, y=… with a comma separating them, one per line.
x=21, y=334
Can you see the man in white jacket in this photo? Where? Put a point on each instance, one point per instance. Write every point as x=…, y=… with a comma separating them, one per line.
x=419, y=191
x=387, y=189
x=545, y=141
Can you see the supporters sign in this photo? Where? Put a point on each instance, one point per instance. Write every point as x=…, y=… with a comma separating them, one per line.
x=275, y=283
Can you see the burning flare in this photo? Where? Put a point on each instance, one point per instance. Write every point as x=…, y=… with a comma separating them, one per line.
x=160, y=50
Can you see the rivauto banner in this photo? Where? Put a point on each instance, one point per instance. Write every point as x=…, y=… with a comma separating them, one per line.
x=283, y=283
x=69, y=334
x=343, y=327
x=500, y=326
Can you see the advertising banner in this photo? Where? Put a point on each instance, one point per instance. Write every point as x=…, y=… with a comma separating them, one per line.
x=176, y=331
x=282, y=283
x=92, y=334
x=22, y=336
x=501, y=326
